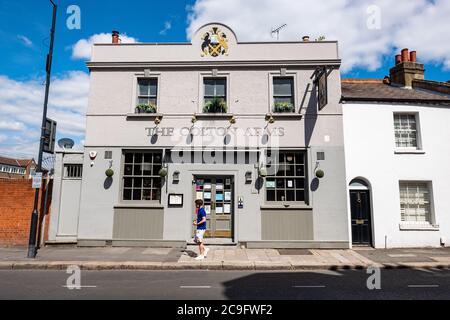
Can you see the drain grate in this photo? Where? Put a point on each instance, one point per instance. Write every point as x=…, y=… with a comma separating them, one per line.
x=294, y=252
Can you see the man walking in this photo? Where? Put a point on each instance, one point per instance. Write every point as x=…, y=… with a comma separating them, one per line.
x=201, y=229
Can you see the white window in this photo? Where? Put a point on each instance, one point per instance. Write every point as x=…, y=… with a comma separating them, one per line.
x=406, y=131
x=415, y=201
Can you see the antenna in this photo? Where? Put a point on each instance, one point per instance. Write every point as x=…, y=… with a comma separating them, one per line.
x=277, y=31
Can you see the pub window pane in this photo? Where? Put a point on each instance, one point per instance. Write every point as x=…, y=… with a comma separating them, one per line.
x=282, y=86
x=215, y=88
x=287, y=181
x=141, y=180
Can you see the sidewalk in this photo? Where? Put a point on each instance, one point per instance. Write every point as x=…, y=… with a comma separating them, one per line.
x=221, y=258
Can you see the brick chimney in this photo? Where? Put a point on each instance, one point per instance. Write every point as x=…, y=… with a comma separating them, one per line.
x=115, y=37
x=407, y=69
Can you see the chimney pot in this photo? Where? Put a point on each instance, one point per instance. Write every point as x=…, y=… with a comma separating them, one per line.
x=115, y=37
x=398, y=59
x=405, y=55
x=413, y=56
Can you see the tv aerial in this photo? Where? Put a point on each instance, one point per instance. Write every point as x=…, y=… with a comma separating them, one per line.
x=66, y=143
x=277, y=31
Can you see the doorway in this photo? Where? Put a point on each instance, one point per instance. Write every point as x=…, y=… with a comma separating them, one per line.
x=361, y=215
x=218, y=196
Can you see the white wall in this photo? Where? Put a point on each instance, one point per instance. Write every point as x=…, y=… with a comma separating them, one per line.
x=370, y=153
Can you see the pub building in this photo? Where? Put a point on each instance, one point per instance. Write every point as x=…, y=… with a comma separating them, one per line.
x=252, y=128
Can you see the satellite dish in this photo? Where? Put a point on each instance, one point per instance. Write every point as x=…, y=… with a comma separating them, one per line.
x=66, y=143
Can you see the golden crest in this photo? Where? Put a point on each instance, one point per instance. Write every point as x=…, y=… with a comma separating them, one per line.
x=215, y=43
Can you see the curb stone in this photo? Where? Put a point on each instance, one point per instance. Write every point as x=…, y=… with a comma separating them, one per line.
x=207, y=265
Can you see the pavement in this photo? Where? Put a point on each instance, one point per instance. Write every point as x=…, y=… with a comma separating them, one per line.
x=222, y=258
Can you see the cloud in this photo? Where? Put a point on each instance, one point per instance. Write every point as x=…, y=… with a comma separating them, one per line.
x=3, y=137
x=21, y=103
x=25, y=41
x=83, y=48
x=420, y=25
x=11, y=125
x=167, y=27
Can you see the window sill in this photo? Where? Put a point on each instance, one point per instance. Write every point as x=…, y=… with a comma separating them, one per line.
x=406, y=151
x=418, y=227
x=285, y=116
x=137, y=116
x=209, y=116
x=138, y=206
x=286, y=207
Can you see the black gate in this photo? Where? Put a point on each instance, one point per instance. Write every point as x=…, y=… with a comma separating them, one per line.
x=361, y=217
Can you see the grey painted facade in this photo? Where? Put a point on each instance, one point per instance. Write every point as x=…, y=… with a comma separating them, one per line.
x=249, y=69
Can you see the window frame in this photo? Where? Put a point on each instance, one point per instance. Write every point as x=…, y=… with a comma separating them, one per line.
x=153, y=176
x=430, y=215
x=305, y=177
x=135, y=86
x=66, y=171
x=418, y=131
x=295, y=91
x=201, y=89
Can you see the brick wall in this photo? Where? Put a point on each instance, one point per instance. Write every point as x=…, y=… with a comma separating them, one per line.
x=16, y=205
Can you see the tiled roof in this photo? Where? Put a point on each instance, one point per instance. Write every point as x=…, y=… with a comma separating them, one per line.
x=376, y=90
x=23, y=163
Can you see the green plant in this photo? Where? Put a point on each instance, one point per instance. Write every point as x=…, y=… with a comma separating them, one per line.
x=163, y=172
x=216, y=105
x=320, y=174
x=109, y=173
x=284, y=107
x=146, y=108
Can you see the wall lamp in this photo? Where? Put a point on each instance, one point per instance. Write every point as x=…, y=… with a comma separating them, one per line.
x=176, y=177
x=270, y=119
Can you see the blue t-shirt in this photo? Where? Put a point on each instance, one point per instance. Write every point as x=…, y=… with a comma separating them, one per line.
x=200, y=214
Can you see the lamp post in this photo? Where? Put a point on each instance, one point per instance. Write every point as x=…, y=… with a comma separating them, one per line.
x=35, y=215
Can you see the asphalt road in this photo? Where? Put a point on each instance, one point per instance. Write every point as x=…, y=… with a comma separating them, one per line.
x=222, y=285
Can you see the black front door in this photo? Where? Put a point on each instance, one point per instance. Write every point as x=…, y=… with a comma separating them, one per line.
x=361, y=217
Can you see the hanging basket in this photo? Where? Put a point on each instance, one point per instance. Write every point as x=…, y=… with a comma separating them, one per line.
x=163, y=173
x=109, y=173
x=320, y=174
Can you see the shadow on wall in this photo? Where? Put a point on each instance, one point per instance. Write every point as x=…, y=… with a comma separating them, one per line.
x=311, y=116
x=108, y=183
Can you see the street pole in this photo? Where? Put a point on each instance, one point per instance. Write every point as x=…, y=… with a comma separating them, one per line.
x=35, y=215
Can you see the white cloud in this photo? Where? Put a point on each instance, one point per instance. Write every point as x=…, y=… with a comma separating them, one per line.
x=420, y=25
x=167, y=27
x=83, y=48
x=25, y=41
x=21, y=103
x=11, y=125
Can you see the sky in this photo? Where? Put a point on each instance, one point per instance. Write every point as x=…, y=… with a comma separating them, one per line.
x=370, y=33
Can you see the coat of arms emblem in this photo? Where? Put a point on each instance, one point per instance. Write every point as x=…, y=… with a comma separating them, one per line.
x=215, y=43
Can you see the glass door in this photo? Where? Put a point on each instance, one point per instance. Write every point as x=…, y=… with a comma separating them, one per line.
x=217, y=194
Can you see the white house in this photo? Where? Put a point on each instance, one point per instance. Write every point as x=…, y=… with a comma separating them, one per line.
x=396, y=135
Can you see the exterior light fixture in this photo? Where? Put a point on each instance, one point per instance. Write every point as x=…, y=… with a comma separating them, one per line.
x=157, y=121
x=194, y=119
x=176, y=177
x=262, y=172
x=270, y=119
x=233, y=120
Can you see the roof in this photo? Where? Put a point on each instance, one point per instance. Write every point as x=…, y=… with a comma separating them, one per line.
x=23, y=163
x=377, y=91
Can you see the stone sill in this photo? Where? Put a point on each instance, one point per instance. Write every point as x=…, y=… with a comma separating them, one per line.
x=137, y=116
x=285, y=116
x=138, y=206
x=418, y=227
x=406, y=151
x=286, y=207
x=214, y=116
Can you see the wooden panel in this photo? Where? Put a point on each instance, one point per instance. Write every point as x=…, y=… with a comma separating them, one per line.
x=138, y=224
x=287, y=225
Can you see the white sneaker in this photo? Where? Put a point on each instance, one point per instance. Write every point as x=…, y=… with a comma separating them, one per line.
x=206, y=252
x=200, y=258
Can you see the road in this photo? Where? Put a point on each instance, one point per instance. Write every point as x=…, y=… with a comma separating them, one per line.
x=222, y=285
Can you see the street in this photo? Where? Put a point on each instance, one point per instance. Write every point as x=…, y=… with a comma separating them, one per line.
x=223, y=285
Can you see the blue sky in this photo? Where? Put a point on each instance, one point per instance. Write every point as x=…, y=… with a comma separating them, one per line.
x=24, y=39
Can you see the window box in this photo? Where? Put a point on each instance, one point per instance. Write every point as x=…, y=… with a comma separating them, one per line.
x=145, y=108
x=215, y=105
x=284, y=107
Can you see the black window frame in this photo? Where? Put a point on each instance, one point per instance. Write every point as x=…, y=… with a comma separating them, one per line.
x=207, y=98
x=149, y=97
x=276, y=96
